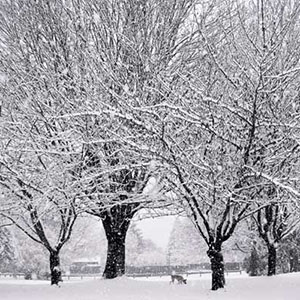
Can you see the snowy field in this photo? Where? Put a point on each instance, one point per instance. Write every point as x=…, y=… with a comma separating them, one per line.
x=239, y=287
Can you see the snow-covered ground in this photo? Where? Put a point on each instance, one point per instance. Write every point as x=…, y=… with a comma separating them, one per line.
x=239, y=287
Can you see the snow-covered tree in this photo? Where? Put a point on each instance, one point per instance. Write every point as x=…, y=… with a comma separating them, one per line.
x=129, y=42
x=31, y=257
x=96, y=93
x=254, y=263
x=275, y=222
x=185, y=245
x=288, y=253
x=8, y=261
x=224, y=123
x=134, y=242
x=40, y=153
x=150, y=255
x=62, y=62
x=87, y=242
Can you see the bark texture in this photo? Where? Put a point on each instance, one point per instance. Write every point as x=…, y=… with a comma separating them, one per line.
x=217, y=268
x=116, y=222
x=271, y=260
x=55, y=269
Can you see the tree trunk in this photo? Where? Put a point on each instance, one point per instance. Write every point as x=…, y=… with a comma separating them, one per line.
x=55, y=270
x=254, y=263
x=115, y=261
x=271, y=260
x=294, y=258
x=217, y=268
x=116, y=222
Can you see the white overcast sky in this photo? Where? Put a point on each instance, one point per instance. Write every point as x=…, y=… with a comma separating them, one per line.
x=157, y=229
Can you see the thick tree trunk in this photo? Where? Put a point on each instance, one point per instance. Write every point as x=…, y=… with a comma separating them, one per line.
x=115, y=262
x=217, y=268
x=55, y=270
x=116, y=222
x=271, y=260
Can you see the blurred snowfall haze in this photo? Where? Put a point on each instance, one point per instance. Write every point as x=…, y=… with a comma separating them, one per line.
x=157, y=229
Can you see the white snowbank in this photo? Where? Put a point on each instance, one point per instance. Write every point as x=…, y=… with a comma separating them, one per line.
x=280, y=287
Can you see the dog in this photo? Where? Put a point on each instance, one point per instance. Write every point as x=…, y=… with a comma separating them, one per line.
x=179, y=278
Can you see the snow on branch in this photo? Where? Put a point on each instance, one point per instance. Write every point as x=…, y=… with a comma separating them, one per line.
x=276, y=182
